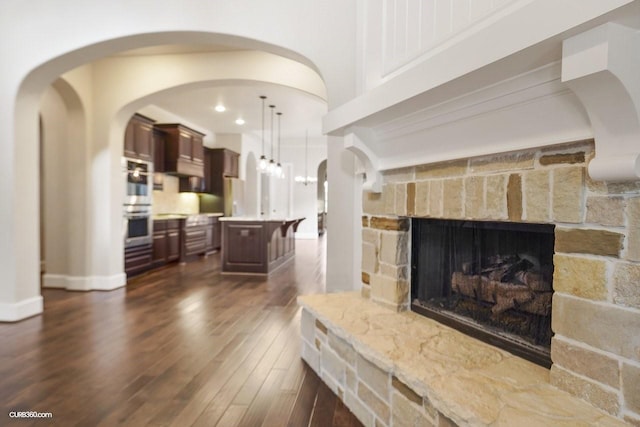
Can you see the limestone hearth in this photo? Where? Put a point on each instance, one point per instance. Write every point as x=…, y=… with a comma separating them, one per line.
x=402, y=369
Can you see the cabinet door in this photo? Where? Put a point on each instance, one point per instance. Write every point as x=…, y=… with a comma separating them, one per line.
x=130, y=139
x=234, y=165
x=173, y=245
x=158, y=150
x=159, y=247
x=195, y=239
x=197, y=149
x=209, y=238
x=137, y=259
x=229, y=164
x=184, y=145
x=144, y=141
x=217, y=235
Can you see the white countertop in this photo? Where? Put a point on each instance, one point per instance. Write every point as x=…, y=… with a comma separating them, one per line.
x=159, y=217
x=256, y=219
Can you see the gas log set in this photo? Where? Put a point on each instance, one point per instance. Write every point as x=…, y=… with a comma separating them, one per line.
x=508, y=282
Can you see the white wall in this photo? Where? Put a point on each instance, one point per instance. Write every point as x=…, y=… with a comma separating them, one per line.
x=55, y=163
x=249, y=156
x=304, y=197
x=231, y=141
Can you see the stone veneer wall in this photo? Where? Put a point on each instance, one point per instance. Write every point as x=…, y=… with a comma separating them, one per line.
x=596, y=305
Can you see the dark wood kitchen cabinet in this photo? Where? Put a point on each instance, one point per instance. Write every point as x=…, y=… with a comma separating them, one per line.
x=219, y=163
x=166, y=241
x=138, y=138
x=257, y=246
x=158, y=150
x=194, y=241
x=213, y=234
x=226, y=161
x=183, y=150
x=137, y=259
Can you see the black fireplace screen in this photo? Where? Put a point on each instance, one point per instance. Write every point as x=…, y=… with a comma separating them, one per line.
x=492, y=280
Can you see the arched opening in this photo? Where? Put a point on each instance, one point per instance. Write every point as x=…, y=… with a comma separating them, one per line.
x=91, y=254
x=63, y=150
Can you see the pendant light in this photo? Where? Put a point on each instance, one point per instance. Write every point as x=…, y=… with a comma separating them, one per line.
x=271, y=169
x=306, y=179
x=262, y=164
x=279, y=170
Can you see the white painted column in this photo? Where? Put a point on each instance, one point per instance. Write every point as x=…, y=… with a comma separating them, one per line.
x=344, y=219
x=105, y=238
x=19, y=217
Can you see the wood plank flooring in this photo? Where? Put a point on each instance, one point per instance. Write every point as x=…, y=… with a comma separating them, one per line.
x=180, y=346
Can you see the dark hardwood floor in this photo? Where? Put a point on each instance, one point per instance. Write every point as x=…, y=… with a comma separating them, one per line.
x=180, y=346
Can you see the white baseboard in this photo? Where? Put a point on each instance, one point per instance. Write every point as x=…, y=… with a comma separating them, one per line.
x=307, y=236
x=20, y=310
x=108, y=283
x=80, y=283
x=57, y=281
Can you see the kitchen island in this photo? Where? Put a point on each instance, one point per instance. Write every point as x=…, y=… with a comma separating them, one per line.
x=257, y=245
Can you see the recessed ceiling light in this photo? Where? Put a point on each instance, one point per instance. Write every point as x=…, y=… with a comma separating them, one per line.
x=220, y=108
x=240, y=121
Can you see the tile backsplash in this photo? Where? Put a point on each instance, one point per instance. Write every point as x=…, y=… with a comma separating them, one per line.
x=170, y=200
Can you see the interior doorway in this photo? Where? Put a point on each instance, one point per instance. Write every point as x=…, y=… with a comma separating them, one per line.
x=323, y=197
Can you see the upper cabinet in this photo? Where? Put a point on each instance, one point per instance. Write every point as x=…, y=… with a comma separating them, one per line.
x=138, y=138
x=158, y=149
x=229, y=160
x=183, y=150
x=219, y=163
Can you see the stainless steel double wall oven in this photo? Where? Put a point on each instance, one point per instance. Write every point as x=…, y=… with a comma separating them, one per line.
x=138, y=177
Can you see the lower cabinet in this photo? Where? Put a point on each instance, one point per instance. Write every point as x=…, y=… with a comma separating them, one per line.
x=137, y=259
x=213, y=234
x=195, y=240
x=166, y=241
x=179, y=239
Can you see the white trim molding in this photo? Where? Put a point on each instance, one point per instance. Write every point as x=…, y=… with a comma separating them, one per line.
x=21, y=310
x=88, y=283
x=602, y=66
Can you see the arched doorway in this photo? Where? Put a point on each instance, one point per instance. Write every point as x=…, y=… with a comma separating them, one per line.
x=91, y=255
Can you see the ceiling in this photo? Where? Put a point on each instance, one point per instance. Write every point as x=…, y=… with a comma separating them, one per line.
x=301, y=111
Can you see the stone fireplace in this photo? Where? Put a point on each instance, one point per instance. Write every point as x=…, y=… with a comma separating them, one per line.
x=595, y=350
x=394, y=367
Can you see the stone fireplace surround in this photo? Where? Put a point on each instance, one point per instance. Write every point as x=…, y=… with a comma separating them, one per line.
x=596, y=305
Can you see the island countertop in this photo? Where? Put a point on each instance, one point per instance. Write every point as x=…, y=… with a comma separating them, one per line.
x=257, y=219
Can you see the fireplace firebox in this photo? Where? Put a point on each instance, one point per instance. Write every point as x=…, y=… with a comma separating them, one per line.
x=491, y=280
